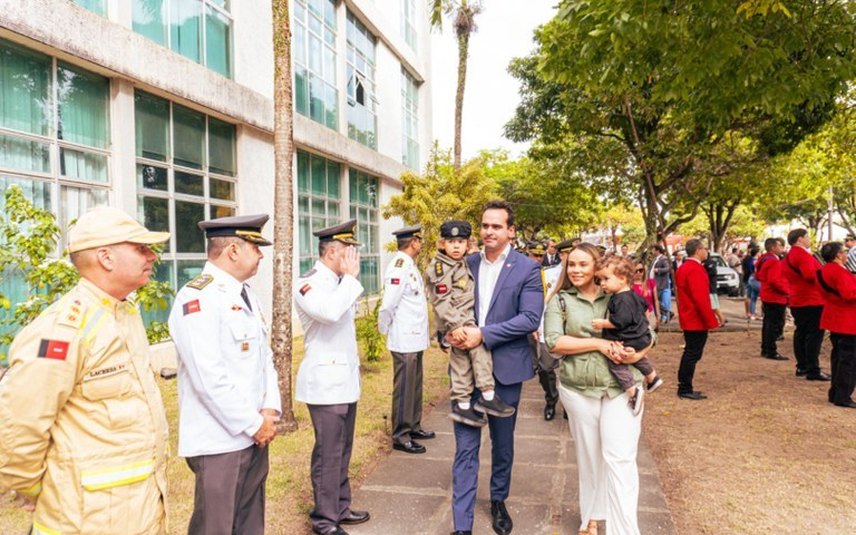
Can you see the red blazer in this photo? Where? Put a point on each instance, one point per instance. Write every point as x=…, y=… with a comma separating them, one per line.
x=694, y=309
x=839, y=311
x=800, y=268
x=774, y=285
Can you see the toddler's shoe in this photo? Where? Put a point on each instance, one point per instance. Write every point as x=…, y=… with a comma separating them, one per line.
x=655, y=384
x=467, y=416
x=495, y=407
x=635, y=403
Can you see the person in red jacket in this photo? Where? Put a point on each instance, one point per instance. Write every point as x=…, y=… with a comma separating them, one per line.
x=774, y=297
x=695, y=314
x=800, y=268
x=838, y=288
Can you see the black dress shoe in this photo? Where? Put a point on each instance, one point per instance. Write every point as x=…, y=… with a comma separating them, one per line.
x=409, y=447
x=850, y=404
x=819, y=376
x=550, y=411
x=422, y=434
x=694, y=395
x=777, y=356
x=335, y=530
x=355, y=517
x=801, y=372
x=501, y=520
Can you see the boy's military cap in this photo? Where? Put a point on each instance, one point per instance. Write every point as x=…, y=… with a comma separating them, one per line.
x=247, y=227
x=414, y=231
x=455, y=229
x=537, y=248
x=343, y=232
x=565, y=246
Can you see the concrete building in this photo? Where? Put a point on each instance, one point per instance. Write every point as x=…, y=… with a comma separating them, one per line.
x=165, y=108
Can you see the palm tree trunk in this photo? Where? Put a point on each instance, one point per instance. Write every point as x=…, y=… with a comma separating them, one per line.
x=283, y=142
x=463, y=52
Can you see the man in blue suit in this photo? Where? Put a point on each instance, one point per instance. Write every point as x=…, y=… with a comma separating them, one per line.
x=509, y=304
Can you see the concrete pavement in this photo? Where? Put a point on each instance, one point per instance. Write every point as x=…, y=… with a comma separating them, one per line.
x=412, y=493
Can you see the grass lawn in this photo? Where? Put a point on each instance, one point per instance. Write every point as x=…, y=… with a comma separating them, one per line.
x=289, y=491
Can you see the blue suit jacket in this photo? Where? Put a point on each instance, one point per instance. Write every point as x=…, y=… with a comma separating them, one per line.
x=515, y=312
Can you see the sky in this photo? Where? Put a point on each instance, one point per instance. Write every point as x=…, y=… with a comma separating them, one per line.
x=504, y=32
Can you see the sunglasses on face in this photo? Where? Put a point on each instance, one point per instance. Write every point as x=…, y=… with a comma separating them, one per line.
x=640, y=270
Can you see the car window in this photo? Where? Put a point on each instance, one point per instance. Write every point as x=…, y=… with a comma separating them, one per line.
x=719, y=261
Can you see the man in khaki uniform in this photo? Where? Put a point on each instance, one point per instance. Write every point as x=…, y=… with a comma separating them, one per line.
x=82, y=429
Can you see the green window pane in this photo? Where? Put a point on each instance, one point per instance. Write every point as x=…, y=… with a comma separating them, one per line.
x=303, y=171
x=331, y=107
x=319, y=176
x=221, y=189
x=153, y=213
x=82, y=165
x=185, y=28
x=221, y=147
x=221, y=211
x=151, y=177
x=333, y=210
x=318, y=223
x=24, y=154
x=330, y=13
x=96, y=6
x=187, y=270
x=305, y=231
x=188, y=237
x=189, y=130
x=301, y=90
x=25, y=102
x=218, y=45
x=189, y=184
x=316, y=99
x=83, y=102
x=74, y=202
x=306, y=264
x=302, y=205
x=151, y=126
x=37, y=192
x=333, y=172
x=148, y=19
x=318, y=208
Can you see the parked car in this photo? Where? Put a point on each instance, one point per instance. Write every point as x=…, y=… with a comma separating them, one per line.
x=727, y=280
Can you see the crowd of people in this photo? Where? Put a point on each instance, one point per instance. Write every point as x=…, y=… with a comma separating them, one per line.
x=88, y=453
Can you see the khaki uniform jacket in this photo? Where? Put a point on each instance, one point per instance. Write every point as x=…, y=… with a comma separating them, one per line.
x=82, y=425
x=451, y=289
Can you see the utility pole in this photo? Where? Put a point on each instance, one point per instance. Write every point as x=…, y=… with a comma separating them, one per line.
x=829, y=206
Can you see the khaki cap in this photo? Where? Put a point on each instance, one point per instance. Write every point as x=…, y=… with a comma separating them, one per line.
x=108, y=226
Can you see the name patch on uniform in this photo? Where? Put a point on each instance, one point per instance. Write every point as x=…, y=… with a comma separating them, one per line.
x=191, y=307
x=395, y=281
x=441, y=288
x=305, y=289
x=399, y=262
x=110, y=370
x=53, y=349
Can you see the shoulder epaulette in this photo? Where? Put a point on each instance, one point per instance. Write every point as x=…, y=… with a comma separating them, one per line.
x=72, y=314
x=399, y=262
x=438, y=268
x=308, y=273
x=200, y=281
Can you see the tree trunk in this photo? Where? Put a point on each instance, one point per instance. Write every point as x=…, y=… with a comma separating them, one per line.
x=463, y=52
x=283, y=141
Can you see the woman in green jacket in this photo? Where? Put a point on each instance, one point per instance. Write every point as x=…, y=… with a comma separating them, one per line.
x=605, y=432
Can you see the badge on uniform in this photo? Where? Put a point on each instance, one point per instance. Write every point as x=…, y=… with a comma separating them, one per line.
x=237, y=307
x=53, y=349
x=245, y=346
x=461, y=283
x=438, y=269
x=201, y=281
x=441, y=288
x=304, y=289
x=395, y=281
x=191, y=306
x=399, y=262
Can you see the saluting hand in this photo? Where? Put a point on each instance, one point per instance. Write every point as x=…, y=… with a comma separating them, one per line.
x=349, y=262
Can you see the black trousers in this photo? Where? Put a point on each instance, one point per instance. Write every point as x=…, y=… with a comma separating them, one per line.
x=406, y=395
x=331, y=457
x=693, y=350
x=808, y=337
x=843, y=360
x=774, y=323
x=546, y=378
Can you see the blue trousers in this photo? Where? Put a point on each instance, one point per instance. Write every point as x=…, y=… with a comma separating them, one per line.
x=465, y=468
x=665, y=303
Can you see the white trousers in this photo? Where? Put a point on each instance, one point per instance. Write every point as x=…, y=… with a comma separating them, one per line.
x=606, y=437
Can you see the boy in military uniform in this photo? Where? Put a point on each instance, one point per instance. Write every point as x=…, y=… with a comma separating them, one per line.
x=451, y=290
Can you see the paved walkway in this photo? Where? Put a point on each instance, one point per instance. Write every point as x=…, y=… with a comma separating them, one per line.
x=412, y=493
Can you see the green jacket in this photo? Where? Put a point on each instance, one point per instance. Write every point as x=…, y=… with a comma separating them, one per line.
x=587, y=373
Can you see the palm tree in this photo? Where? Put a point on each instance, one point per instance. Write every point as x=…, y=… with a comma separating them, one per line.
x=462, y=13
x=283, y=148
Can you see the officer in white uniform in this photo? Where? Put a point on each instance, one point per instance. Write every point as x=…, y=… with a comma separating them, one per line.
x=228, y=392
x=403, y=318
x=329, y=377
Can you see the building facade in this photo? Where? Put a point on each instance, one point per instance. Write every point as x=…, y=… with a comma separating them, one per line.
x=164, y=108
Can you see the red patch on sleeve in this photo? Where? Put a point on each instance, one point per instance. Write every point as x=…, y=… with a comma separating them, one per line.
x=441, y=288
x=191, y=307
x=396, y=281
x=304, y=289
x=53, y=349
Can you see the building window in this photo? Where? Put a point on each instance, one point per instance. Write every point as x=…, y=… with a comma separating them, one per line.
x=362, y=104
x=200, y=30
x=54, y=132
x=364, y=191
x=96, y=6
x=318, y=198
x=185, y=174
x=408, y=22
x=410, y=121
x=313, y=48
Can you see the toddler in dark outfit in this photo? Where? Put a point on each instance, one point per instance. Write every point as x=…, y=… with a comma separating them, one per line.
x=626, y=322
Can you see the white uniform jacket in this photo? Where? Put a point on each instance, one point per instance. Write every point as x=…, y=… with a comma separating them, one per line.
x=225, y=365
x=330, y=371
x=403, y=314
x=550, y=277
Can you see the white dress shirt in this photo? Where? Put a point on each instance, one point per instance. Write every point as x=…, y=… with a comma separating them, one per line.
x=488, y=275
x=330, y=371
x=225, y=365
x=403, y=314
